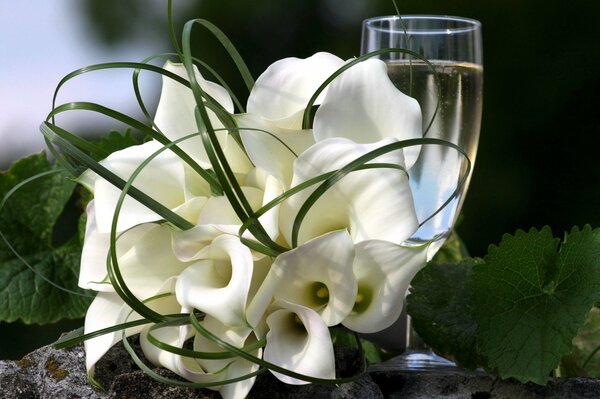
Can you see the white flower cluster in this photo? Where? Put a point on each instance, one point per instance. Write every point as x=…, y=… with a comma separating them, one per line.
x=348, y=266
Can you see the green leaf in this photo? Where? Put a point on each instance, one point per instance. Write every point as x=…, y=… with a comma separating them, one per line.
x=28, y=221
x=342, y=337
x=440, y=306
x=453, y=250
x=530, y=300
x=115, y=141
x=28, y=218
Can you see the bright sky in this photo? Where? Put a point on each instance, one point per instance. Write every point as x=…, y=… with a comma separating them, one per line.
x=40, y=42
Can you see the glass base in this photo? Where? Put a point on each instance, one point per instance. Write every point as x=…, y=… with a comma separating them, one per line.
x=420, y=361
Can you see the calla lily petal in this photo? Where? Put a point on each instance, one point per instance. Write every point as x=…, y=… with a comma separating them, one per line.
x=219, y=212
x=107, y=310
x=317, y=274
x=268, y=147
x=282, y=92
x=174, y=336
x=219, y=286
x=150, y=262
x=175, y=112
x=372, y=204
x=299, y=340
x=92, y=273
x=384, y=271
x=162, y=179
x=194, y=244
x=225, y=369
x=363, y=104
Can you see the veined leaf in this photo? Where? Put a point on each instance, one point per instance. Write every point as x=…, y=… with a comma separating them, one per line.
x=440, y=305
x=28, y=221
x=530, y=300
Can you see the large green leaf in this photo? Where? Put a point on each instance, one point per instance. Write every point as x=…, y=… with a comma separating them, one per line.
x=440, y=306
x=530, y=300
x=28, y=221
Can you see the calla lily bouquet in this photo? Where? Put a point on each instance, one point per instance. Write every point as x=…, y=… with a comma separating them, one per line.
x=232, y=240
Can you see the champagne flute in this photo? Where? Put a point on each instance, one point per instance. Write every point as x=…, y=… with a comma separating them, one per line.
x=449, y=90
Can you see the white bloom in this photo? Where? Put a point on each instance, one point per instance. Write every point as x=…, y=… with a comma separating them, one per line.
x=108, y=310
x=383, y=271
x=372, y=204
x=219, y=284
x=224, y=369
x=282, y=92
x=272, y=148
x=299, y=340
x=175, y=112
x=166, y=179
x=259, y=189
x=317, y=275
x=362, y=104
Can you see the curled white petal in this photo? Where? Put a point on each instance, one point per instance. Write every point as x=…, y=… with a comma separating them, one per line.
x=299, y=340
x=219, y=212
x=384, y=271
x=92, y=272
x=163, y=179
x=107, y=310
x=219, y=285
x=194, y=244
x=175, y=112
x=317, y=274
x=363, y=104
x=150, y=262
x=282, y=92
x=272, y=148
x=374, y=203
x=224, y=369
x=174, y=336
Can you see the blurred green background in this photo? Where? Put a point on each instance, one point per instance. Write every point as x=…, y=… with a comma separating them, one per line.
x=537, y=162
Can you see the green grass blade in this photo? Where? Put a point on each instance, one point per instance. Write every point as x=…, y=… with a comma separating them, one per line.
x=362, y=160
x=49, y=132
x=230, y=48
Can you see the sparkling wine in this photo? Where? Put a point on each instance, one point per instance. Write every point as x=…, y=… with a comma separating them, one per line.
x=458, y=91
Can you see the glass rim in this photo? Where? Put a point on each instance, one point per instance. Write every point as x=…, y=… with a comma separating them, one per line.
x=468, y=24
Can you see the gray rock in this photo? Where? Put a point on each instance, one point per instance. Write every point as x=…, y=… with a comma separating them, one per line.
x=462, y=384
x=48, y=373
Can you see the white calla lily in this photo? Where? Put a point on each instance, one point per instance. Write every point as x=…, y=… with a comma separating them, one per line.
x=174, y=336
x=282, y=92
x=194, y=244
x=107, y=310
x=164, y=179
x=150, y=261
x=374, y=203
x=145, y=256
x=317, y=274
x=219, y=212
x=175, y=111
x=384, y=271
x=224, y=369
x=362, y=104
x=92, y=272
x=219, y=285
x=299, y=340
x=272, y=148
